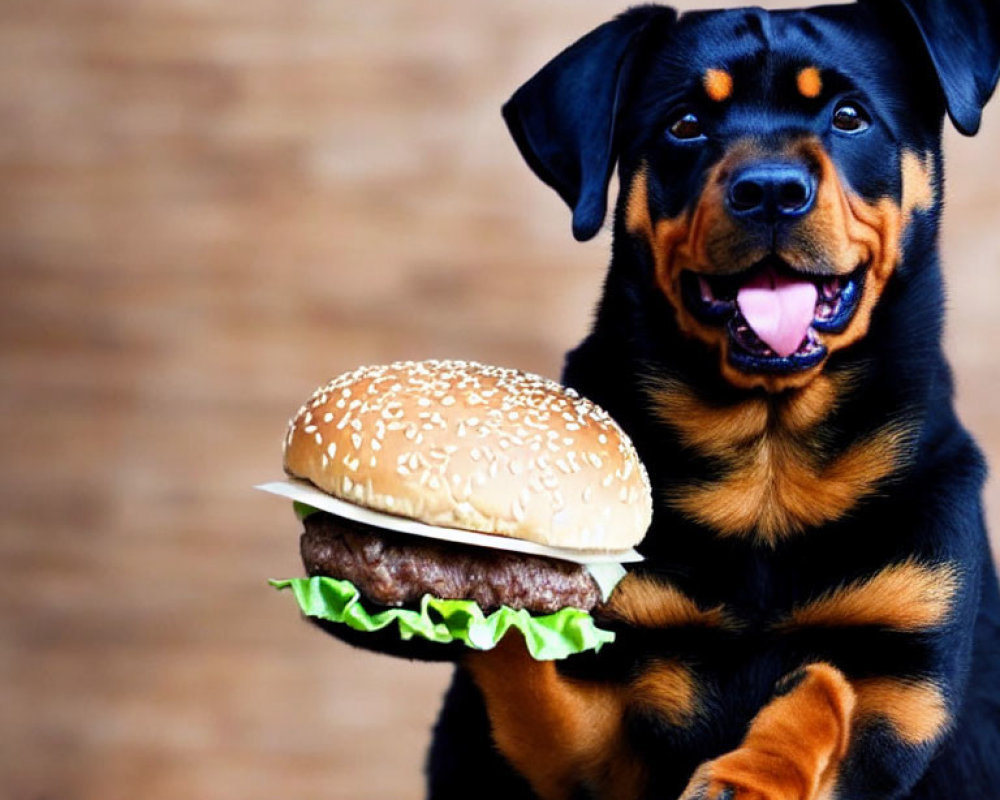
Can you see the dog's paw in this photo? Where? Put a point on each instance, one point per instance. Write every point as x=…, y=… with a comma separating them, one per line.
x=745, y=774
x=793, y=748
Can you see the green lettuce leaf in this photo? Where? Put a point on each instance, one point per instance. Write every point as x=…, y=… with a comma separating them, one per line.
x=549, y=637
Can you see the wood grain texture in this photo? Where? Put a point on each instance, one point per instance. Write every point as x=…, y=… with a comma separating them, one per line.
x=206, y=209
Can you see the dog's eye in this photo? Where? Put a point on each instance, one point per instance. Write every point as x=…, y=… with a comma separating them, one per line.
x=850, y=118
x=686, y=127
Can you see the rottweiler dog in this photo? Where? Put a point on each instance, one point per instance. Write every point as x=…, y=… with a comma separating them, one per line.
x=818, y=614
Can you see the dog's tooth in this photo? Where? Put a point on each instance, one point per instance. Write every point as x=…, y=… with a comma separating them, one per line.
x=706, y=290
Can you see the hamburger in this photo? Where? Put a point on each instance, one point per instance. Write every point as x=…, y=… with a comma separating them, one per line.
x=453, y=501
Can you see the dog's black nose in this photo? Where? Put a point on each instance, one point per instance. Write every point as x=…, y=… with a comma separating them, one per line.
x=771, y=191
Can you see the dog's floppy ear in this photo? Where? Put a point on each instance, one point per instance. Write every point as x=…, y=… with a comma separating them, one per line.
x=563, y=119
x=963, y=40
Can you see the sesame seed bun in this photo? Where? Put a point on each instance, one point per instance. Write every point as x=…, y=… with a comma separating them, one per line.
x=462, y=445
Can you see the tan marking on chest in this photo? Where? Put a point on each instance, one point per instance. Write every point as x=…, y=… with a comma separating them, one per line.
x=667, y=689
x=648, y=603
x=777, y=478
x=908, y=597
x=916, y=710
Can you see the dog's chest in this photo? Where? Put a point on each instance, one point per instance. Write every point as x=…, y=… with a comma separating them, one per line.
x=775, y=470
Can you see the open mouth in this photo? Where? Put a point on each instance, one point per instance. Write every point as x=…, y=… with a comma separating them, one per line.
x=773, y=315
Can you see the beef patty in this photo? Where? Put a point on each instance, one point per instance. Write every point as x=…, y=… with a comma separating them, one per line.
x=393, y=569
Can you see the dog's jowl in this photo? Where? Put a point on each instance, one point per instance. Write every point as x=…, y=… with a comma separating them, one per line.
x=817, y=615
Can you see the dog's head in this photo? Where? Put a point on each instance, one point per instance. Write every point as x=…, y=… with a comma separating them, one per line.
x=772, y=164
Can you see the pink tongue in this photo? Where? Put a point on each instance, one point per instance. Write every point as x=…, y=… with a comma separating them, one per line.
x=779, y=309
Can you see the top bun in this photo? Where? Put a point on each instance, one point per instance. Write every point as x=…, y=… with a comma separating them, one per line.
x=463, y=445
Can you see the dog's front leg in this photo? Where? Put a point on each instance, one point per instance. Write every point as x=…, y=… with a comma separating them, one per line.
x=794, y=747
x=565, y=736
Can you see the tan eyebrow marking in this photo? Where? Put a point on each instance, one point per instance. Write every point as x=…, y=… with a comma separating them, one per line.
x=810, y=82
x=718, y=84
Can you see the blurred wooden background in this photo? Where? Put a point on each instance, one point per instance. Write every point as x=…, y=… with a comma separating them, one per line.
x=207, y=208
